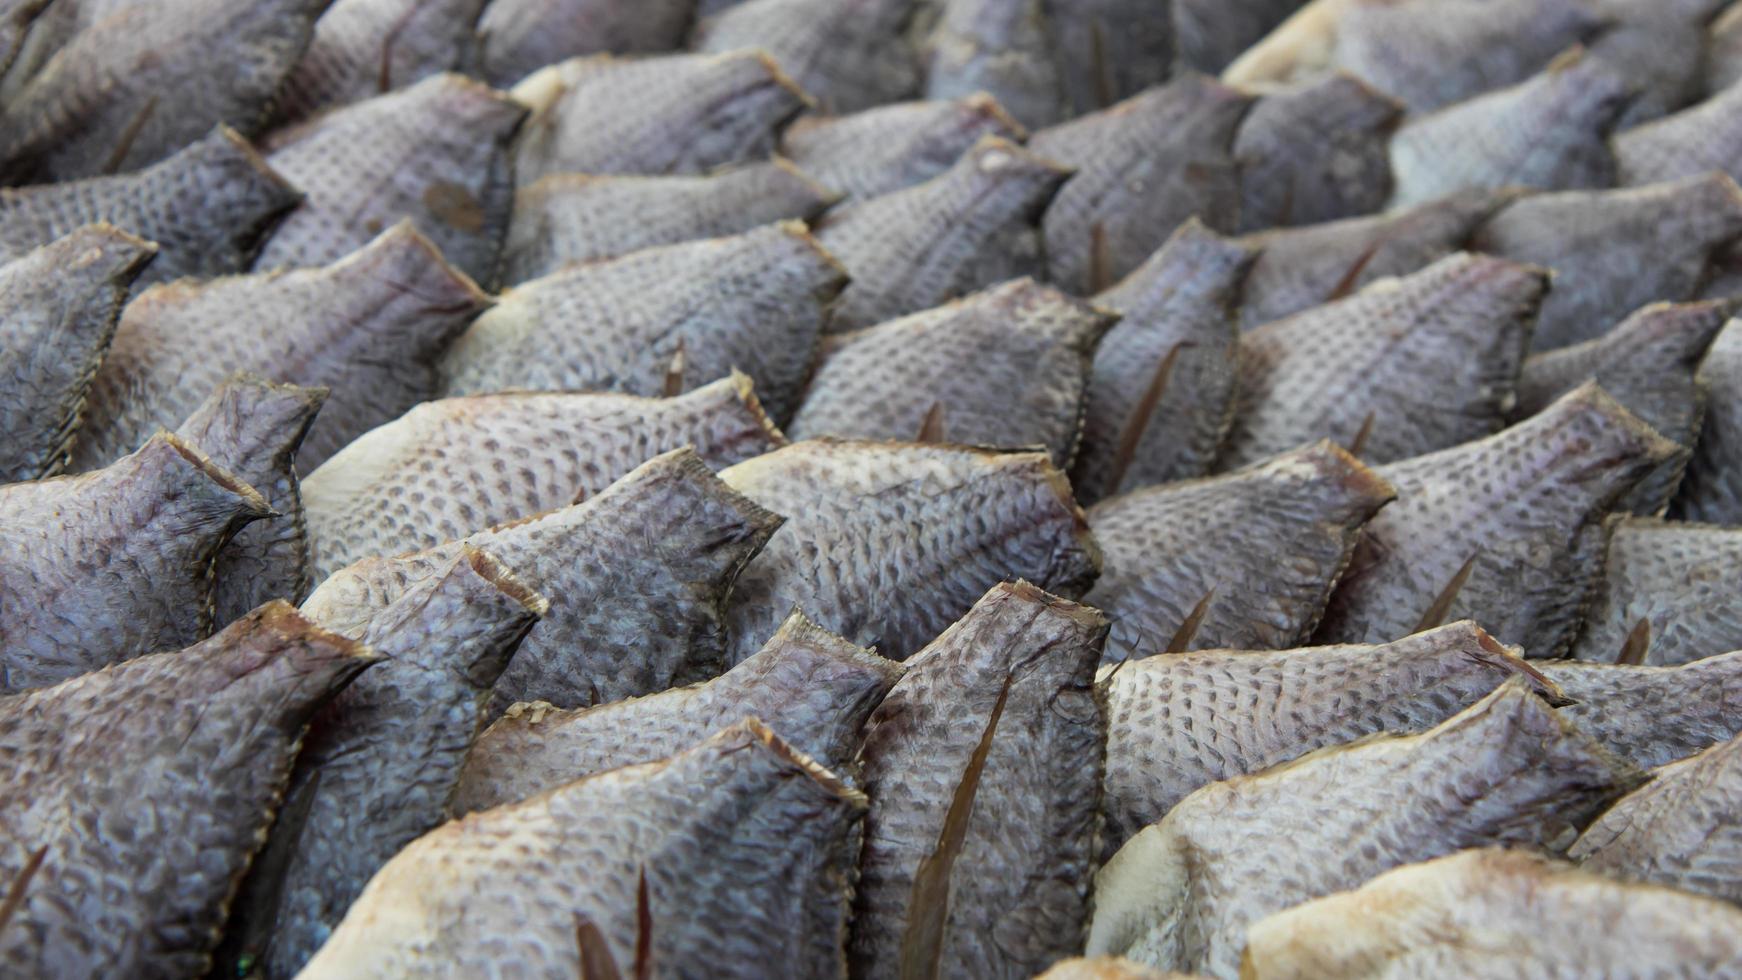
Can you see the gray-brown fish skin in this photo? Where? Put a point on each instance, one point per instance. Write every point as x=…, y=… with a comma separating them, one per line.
x=1008, y=366
x=521, y=36
x=60, y=304
x=1167, y=548
x=746, y=847
x=1211, y=34
x=1108, y=50
x=1654, y=44
x=1525, y=508
x=1673, y=575
x=661, y=321
x=1000, y=47
x=566, y=218
x=455, y=466
x=1315, y=154
x=1496, y=913
x=207, y=208
x=362, y=48
x=1179, y=305
x=382, y=759
x=675, y=114
x=974, y=225
x=113, y=564
x=1723, y=61
x=805, y=681
x=1697, y=140
x=253, y=429
x=638, y=575
x=1549, y=132
x=848, y=54
x=1653, y=715
x=1106, y=968
x=1178, y=721
x=16, y=19
x=147, y=80
x=1299, y=268
x=1615, y=251
x=1505, y=771
x=150, y=785
x=1711, y=488
x=370, y=327
x=926, y=527
x=1142, y=168
x=884, y=149
x=1018, y=891
x=435, y=154
x=1419, y=363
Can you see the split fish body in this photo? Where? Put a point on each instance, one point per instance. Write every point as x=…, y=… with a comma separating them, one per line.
x=848, y=54
x=1672, y=576
x=890, y=147
x=364, y=48
x=521, y=36
x=1711, y=490
x=1652, y=715
x=1315, y=154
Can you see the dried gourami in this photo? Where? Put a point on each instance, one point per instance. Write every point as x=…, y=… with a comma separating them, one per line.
x=1000, y=47
x=893, y=146
x=518, y=37
x=362, y=48
x=1664, y=589
x=848, y=54
x=1315, y=154
x=1652, y=715
x=1711, y=489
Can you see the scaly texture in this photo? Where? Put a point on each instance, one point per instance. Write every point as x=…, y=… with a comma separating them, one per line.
x=1672, y=576
x=1108, y=50
x=848, y=54
x=1654, y=43
x=894, y=146
x=521, y=36
x=1692, y=142
x=363, y=48
x=1001, y=47
x=1314, y=154
x=1711, y=490
x=1212, y=33
x=1653, y=715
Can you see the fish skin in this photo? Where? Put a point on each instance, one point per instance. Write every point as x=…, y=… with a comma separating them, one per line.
x=1652, y=715
x=1674, y=575
x=1496, y=913
x=562, y=219
x=1142, y=168
x=455, y=466
x=521, y=36
x=1211, y=34
x=848, y=54
x=639, y=576
x=1711, y=489
x=1505, y=771
x=1723, y=61
x=1299, y=268
x=1018, y=894
x=1697, y=140
x=1109, y=50
x=1166, y=548
x=370, y=327
x=805, y=681
x=1498, y=139
x=152, y=783
x=1528, y=504
x=1106, y=968
x=1615, y=251
x=115, y=563
x=1179, y=721
x=1008, y=366
x=881, y=150
x=363, y=48
x=928, y=526
x=207, y=208
x=60, y=304
x=672, y=114
x=745, y=844
x=16, y=20
x=971, y=226
x=1315, y=154
x=1183, y=297
x=149, y=79
x=1649, y=363
x=1656, y=45
x=434, y=153
x=1000, y=47
x=253, y=428
x=1430, y=358
x=383, y=757
x=755, y=302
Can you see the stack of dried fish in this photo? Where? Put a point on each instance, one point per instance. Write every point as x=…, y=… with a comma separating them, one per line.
x=872, y=488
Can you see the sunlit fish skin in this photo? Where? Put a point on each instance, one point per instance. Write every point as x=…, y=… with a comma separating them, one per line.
x=928, y=527
x=1008, y=366
x=60, y=304
x=454, y=466
x=1508, y=531
x=207, y=208
x=566, y=218
x=1315, y=154
x=1505, y=771
x=1652, y=715
x=889, y=147
x=1000, y=47
x=740, y=851
x=434, y=154
x=1406, y=366
x=848, y=54
x=1206, y=552
x=1711, y=489
x=805, y=681
x=1496, y=912
x=970, y=227
x=370, y=327
x=362, y=48
x=1178, y=721
x=115, y=563
x=661, y=321
x=148, y=787
x=983, y=767
x=518, y=37
x=1671, y=576
x=638, y=577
